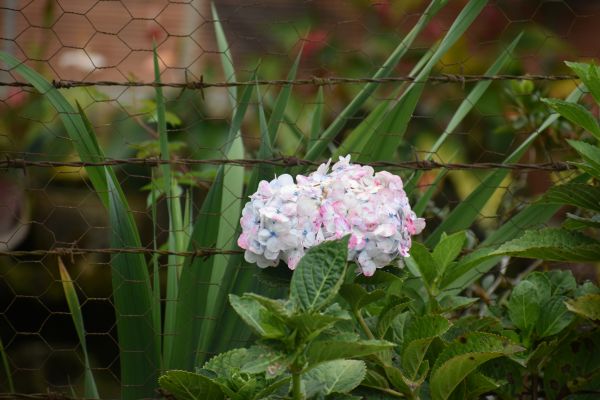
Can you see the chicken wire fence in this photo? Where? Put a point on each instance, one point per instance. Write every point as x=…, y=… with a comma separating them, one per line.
x=99, y=53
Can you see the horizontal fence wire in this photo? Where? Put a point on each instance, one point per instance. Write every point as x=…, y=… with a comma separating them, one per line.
x=314, y=81
x=75, y=251
x=288, y=162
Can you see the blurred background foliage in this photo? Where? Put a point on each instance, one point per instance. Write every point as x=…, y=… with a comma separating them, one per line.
x=42, y=208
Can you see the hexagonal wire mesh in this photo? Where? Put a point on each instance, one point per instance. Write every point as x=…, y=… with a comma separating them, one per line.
x=100, y=50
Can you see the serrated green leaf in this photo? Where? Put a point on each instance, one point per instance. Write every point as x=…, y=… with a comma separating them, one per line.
x=258, y=317
x=448, y=248
x=388, y=314
x=524, y=306
x=319, y=275
x=358, y=297
x=575, y=194
x=587, y=306
x=552, y=244
x=554, y=317
x=189, y=386
x=462, y=357
x=577, y=114
x=338, y=376
x=325, y=350
x=425, y=263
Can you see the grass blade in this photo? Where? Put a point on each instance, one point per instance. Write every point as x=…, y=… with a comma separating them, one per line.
x=390, y=132
x=281, y=101
x=315, y=127
x=156, y=308
x=226, y=60
x=6, y=365
x=463, y=215
x=466, y=106
x=175, y=239
x=357, y=102
x=132, y=294
x=90, y=389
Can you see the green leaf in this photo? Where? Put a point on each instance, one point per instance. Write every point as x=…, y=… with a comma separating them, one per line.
x=193, y=283
x=591, y=156
x=315, y=126
x=309, y=325
x=388, y=314
x=577, y=114
x=282, y=100
x=448, y=249
x=89, y=383
x=574, y=194
x=463, y=110
x=258, y=317
x=253, y=360
x=189, y=386
x=524, y=306
x=386, y=69
x=319, y=275
x=338, y=376
x=133, y=304
x=425, y=263
x=463, y=215
x=5, y=364
x=588, y=73
x=325, y=350
x=462, y=357
x=358, y=297
x=575, y=222
x=587, y=306
x=552, y=244
x=554, y=317
x=423, y=327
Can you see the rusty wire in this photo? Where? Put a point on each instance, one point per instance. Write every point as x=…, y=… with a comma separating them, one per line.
x=287, y=162
x=314, y=81
x=76, y=251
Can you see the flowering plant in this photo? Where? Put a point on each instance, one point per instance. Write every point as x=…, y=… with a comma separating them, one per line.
x=284, y=218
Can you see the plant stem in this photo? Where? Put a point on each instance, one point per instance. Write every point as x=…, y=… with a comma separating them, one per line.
x=296, y=387
x=364, y=325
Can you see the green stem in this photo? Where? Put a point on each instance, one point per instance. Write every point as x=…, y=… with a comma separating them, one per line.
x=296, y=386
x=364, y=325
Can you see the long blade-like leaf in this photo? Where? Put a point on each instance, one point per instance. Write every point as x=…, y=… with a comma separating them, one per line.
x=175, y=238
x=132, y=294
x=315, y=126
x=390, y=132
x=386, y=69
x=281, y=102
x=90, y=389
x=6, y=366
x=463, y=215
x=466, y=106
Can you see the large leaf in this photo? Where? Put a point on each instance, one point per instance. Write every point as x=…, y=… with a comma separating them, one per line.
x=386, y=69
x=189, y=386
x=448, y=249
x=462, y=357
x=358, y=297
x=591, y=156
x=577, y=114
x=552, y=244
x=338, y=376
x=463, y=215
x=89, y=383
x=325, y=350
x=419, y=332
x=319, y=275
x=132, y=294
x=574, y=194
x=425, y=263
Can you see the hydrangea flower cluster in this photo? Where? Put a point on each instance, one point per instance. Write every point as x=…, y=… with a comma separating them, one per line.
x=284, y=218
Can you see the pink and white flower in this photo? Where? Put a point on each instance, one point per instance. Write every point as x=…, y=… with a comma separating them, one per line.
x=284, y=218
